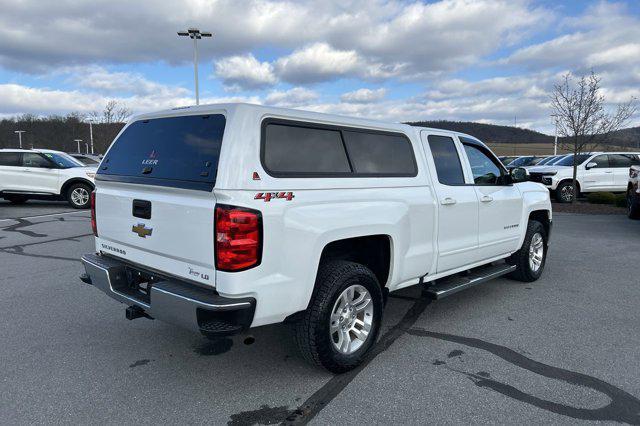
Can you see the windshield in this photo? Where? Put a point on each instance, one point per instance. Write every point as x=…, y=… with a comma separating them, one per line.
x=556, y=160
x=546, y=161
x=522, y=161
x=568, y=160
x=63, y=160
x=86, y=160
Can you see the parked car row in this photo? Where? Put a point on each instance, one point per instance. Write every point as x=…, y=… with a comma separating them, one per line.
x=44, y=173
x=596, y=171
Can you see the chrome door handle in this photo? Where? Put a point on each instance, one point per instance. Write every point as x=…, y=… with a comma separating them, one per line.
x=448, y=201
x=486, y=199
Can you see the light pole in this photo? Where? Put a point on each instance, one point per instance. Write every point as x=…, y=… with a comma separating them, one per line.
x=20, y=132
x=86, y=147
x=195, y=35
x=78, y=142
x=91, y=133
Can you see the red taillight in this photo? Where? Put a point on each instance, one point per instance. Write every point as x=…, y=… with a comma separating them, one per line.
x=94, y=225
x=238, y=243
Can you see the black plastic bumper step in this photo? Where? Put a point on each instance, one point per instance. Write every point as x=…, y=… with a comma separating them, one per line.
x=451, y=285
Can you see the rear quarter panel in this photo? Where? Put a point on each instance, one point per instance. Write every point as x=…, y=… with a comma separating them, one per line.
x=296, y=232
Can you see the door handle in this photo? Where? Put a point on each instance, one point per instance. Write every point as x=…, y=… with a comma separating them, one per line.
x=608, y=172
x=486, y=199
x=448, y=201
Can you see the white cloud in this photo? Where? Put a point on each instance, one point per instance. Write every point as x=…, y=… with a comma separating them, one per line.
x=18, y=99
x=318, y=62
x=605, y=34
x=245, y=71
x=385, y=36
x=363, y=95
x=296, y=97
x=100, y=79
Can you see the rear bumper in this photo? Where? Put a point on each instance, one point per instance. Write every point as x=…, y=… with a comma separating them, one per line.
x=170, y=300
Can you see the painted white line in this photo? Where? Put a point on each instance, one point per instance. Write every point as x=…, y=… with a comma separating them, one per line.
x=42, y=215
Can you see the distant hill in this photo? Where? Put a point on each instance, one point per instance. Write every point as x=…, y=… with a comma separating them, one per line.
x=495, y=134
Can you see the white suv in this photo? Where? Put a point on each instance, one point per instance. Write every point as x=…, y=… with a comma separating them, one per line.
x=44, y=173
x=597, y=171
x=224, y=217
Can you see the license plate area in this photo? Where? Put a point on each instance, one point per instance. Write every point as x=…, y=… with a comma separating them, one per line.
x=136, y=284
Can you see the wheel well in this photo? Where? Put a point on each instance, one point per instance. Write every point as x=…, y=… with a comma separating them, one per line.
x=372, y=251
x=67, y=184
x=570, y=180
x=541, y=216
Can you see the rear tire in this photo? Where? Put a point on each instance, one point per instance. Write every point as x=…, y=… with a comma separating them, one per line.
x=16, y=199
x=334, y=333
x=532, y=256
x=78, y=195
x=633, y=204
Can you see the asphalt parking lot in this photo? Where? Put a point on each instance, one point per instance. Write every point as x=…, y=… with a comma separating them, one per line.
x=560, y=350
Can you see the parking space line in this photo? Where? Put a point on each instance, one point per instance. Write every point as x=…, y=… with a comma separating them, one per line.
x=39, y=216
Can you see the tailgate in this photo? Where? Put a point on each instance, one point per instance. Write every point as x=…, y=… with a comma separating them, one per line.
x=154, y=200
x=176, y=235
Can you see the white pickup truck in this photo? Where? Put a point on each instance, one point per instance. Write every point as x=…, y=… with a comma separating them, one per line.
x=224, y=217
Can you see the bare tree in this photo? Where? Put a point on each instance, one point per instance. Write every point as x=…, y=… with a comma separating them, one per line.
x=579, y=108
x=113, y=112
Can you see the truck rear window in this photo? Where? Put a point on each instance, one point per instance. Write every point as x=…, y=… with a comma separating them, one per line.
x=178, y=152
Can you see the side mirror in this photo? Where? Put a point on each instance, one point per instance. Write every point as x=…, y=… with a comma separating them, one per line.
x=519, y=174
x=591, y=165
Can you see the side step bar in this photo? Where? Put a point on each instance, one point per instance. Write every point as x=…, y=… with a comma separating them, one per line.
x=451, y=285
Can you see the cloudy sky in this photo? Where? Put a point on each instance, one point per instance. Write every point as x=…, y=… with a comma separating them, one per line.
x=480, y=60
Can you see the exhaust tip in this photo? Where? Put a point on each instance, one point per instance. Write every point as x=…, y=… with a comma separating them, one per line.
x=249, y=340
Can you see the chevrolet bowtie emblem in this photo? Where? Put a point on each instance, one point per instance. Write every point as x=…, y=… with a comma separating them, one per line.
x=141, y=230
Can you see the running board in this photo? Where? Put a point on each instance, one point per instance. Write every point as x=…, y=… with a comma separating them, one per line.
x=451, y=285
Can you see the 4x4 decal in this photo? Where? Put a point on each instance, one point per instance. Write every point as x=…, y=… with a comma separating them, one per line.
x=268, y=196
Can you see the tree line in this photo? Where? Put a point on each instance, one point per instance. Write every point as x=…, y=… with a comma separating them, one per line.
x=60, y=131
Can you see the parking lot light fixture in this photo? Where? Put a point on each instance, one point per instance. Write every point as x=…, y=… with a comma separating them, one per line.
x=195, y=34
x=20, y=132
x=90, y=120
x=78, y=142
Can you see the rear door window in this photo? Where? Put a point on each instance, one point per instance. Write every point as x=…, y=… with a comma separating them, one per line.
x=622, y=160
x=447, y=160
x=10, y=159
x=380, y=154
x=173, y=151
x=30, y=159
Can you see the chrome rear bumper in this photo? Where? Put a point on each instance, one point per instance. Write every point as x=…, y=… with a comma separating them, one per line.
x=170, y=300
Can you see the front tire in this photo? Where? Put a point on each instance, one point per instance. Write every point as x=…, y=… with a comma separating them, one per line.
x=532, y=256
x=633, y=204
x=343, y=319
x=78, y=195
x=564, y=192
